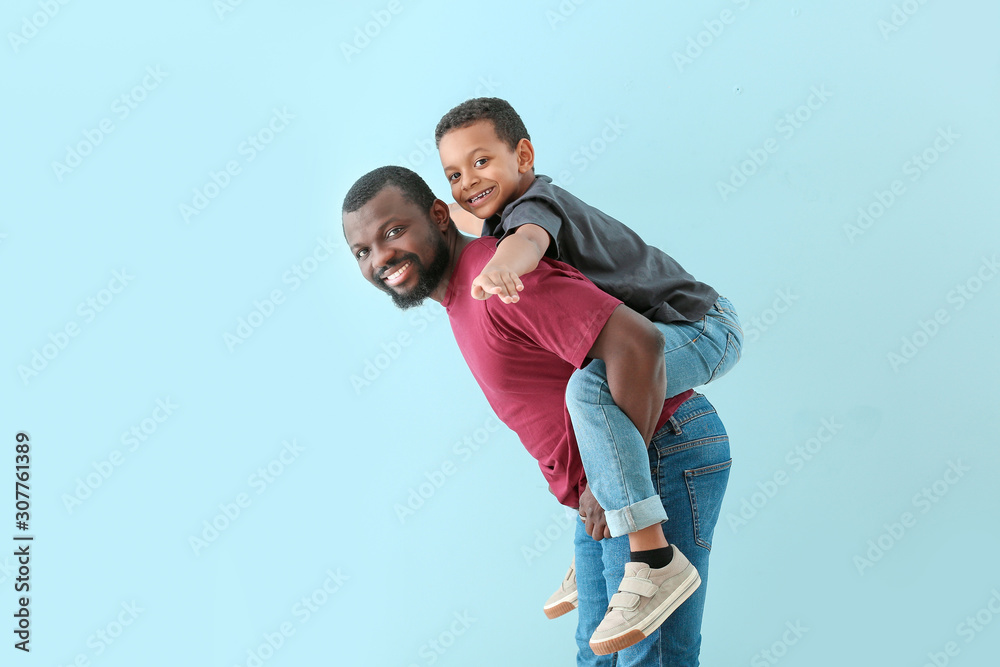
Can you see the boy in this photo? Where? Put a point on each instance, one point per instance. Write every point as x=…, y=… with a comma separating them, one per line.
x=489, y=162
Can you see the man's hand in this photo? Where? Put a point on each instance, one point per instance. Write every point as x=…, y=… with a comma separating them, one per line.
x=497, y=279
x=593, y=515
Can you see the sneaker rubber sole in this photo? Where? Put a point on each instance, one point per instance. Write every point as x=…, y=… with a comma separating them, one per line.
x=563, y=606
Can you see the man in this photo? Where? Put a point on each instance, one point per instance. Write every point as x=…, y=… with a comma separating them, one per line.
x=522, y=357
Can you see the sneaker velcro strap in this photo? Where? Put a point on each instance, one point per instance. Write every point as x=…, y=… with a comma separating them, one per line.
x=643, y=587
x=621, y=600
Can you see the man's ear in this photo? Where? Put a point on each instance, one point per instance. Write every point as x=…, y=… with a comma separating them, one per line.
x=440, y=214
x=525, y=153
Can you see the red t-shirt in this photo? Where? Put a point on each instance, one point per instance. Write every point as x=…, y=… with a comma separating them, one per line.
x=522, y=355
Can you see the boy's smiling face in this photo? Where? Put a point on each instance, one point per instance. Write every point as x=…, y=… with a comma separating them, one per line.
x=484, y=173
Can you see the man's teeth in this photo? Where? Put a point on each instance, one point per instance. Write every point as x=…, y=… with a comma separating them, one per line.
x=481, y=195
x=395, y=274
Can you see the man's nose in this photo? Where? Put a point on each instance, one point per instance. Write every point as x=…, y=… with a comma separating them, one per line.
x=382, y=257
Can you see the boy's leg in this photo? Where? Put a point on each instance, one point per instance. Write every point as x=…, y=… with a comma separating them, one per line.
x=689, y=462
x=611, y=449
x=698, y=352
x=613, y=453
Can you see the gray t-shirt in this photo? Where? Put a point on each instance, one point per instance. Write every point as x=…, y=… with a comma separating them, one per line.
x=606, y=251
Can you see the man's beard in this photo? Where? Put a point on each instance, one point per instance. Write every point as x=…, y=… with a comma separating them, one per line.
x=428, y=278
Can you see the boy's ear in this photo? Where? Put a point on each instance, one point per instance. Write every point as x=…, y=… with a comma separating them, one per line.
x=525, y=153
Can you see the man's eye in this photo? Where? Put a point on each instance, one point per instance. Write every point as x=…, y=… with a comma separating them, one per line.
x=393, y=232
x=361, y=254
x=480, y=162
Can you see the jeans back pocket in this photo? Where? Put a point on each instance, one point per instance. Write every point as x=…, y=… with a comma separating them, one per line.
x=706, y=487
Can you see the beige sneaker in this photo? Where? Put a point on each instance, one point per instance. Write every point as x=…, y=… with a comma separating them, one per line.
x=645, y=598
x=563, y=600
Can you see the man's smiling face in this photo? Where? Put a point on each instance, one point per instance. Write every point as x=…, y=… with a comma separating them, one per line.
x=398, y=247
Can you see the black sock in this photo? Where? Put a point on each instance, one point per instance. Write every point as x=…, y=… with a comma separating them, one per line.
x=654, y=557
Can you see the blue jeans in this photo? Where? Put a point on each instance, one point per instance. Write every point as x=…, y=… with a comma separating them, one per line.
x=611, y=448
x=688, y=463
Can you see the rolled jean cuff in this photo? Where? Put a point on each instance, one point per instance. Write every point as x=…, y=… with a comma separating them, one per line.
x=636, y=516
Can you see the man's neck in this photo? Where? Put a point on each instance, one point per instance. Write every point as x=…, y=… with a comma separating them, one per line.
x=456, y=244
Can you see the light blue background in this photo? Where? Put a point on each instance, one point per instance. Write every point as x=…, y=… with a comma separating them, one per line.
x=478, y=546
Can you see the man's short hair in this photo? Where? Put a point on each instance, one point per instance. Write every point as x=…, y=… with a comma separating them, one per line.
x=368, y=186
x=506, y=123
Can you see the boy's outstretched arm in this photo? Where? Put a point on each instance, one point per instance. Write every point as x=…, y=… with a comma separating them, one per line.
x=516, y=255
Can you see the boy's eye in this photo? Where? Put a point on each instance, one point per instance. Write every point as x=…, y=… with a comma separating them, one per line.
x=480, y=162
x=454, y=176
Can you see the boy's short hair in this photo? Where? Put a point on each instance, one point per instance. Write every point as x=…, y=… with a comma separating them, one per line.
x=365, y=188
x=506, y=123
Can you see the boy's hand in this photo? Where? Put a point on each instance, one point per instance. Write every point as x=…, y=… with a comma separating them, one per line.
x=593, y=515
x=466, y=222
x=499, y=280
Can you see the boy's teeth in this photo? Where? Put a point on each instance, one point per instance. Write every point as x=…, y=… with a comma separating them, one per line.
x=481, y=195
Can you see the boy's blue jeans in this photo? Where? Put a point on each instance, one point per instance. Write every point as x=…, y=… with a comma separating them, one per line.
x=688, y=463
x=611, y=448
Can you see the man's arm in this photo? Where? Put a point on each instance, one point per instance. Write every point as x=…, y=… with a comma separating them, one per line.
x=632, y=349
